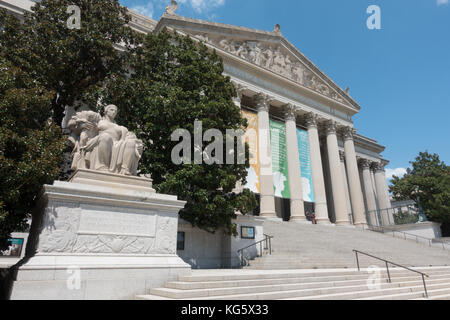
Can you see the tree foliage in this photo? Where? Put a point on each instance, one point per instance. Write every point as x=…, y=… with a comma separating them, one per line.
x=174, y=82
x=69, y=62
x=45, y=66
x=30, y=146
x=427, y=182
x=160, y=84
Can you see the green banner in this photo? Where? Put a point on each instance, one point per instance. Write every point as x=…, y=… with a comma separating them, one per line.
x=279, y=159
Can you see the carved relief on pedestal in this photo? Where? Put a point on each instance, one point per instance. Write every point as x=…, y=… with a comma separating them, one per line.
x=63, y=231
x=274, y=58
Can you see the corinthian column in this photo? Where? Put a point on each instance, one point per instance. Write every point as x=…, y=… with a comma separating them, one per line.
x=295, y=179
x=321, y=210
x=337, y=181
x=344, y=175
x=267, y=205
x=356, y=195
x=368, y=191
x=383, y=196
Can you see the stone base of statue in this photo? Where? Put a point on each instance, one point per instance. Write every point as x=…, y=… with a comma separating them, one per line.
x=100, y=236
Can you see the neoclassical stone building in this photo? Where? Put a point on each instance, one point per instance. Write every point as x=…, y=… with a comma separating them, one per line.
x=307, y=154
x=281, y=89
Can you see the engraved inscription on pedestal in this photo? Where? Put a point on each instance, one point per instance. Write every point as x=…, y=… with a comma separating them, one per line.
x=96, y=221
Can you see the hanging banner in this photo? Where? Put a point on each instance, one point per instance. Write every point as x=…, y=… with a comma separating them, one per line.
x=305, y=165
x=251, y=137
x=279, y=159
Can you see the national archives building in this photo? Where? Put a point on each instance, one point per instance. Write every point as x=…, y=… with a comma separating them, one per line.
x=306, y=155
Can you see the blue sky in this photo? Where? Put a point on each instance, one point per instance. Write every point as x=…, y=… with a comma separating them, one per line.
x=400, y=75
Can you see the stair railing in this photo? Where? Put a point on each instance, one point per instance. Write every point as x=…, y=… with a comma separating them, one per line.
x=387, y=262
x=268, y=246
x=405, y=234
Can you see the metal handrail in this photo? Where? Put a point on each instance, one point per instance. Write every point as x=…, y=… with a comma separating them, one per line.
x=395, y=264
x=267, y=239
x=430, y=240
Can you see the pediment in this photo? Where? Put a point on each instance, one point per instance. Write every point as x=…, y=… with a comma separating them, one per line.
x=268, y=50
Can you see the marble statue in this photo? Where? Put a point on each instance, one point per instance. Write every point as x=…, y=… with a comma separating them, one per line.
x=172, y=8
x=103, y=145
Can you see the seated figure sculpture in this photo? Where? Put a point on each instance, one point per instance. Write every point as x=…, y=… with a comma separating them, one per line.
x=103, y=145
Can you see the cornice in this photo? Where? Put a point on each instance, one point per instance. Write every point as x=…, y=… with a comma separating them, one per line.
x=248, y=34
x=367, y=143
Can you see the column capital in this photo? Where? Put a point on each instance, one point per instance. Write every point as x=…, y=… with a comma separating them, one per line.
x=290, y=112
x=364, y=163
x=378, y=166
x=330, y=127
x=262, y=101
x=342, y=155
x=311, y=120
x=239, y=90
x=348, y=133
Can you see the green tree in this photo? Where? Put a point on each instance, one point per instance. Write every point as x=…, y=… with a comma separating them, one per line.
x=47, y=66
x=176, y=81
x=70, y=63
x=427, y=182
x=30, y=146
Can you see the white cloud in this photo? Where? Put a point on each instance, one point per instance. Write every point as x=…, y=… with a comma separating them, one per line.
x=441, y=2
x=203, y=5
x=200, y=6
x=146, y=9
x=399, y=172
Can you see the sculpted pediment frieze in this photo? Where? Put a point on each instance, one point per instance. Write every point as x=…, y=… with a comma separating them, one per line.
x=274, y=57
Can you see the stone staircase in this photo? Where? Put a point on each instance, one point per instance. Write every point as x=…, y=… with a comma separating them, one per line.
x=314, y=262
x=331, y=284
x=306, y=246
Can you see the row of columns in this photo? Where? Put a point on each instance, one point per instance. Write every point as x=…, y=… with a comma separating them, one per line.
x=377, y=195
x=344, y=172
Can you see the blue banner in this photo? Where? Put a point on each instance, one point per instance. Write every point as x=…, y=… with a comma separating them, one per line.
x=305, y=165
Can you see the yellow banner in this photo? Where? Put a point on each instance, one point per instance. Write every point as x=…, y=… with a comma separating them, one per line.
x=251, y=137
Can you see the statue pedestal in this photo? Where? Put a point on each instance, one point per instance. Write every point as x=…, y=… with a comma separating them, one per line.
x=100, y=236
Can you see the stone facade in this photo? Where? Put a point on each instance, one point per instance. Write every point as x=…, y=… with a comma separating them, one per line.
x=274, y=78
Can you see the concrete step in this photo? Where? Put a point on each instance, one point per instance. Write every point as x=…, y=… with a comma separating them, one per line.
x=267, y=274
x=331, y=243
x=440, y=296
x=342, y=293
x=393, y=293
x=432, y=295
x=302, y=289
x=302, y=284
x=307, y=282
